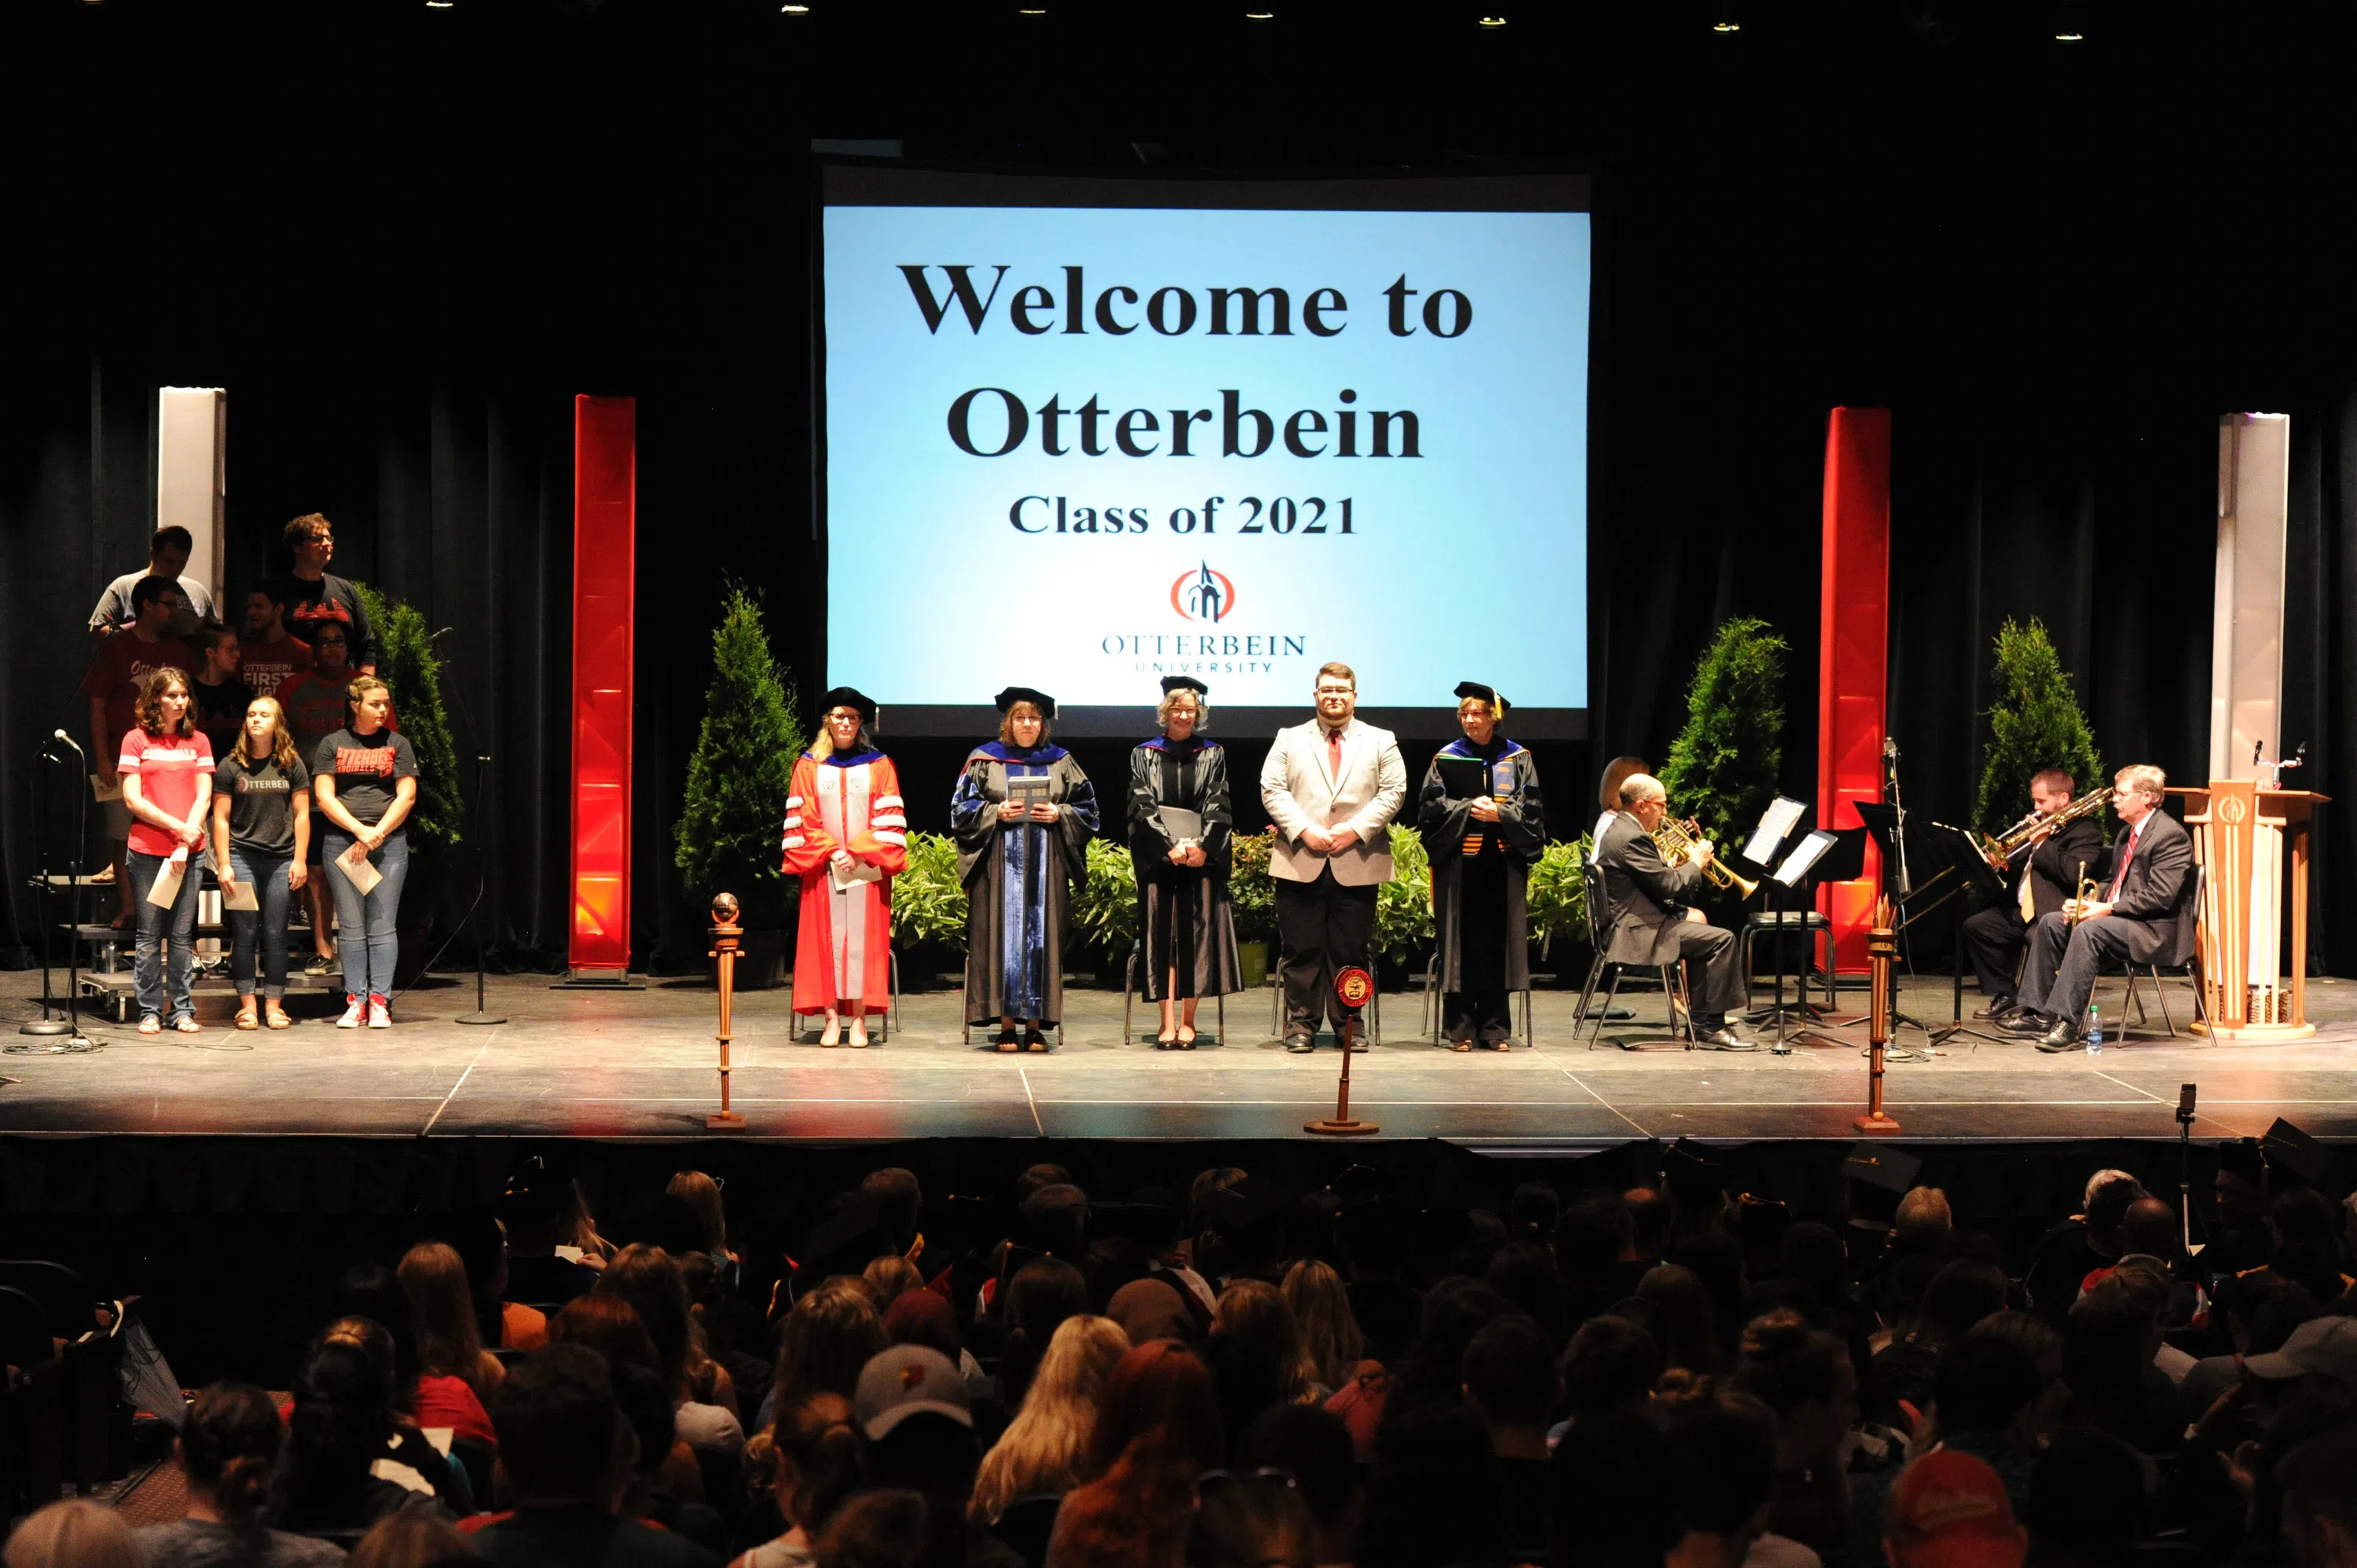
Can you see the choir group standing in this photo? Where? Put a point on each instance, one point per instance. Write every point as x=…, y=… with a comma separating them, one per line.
x=1024, y=811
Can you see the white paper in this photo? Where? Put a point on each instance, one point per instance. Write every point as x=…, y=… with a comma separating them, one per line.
x=106, y=786
x=1805, y=854
x=1774, y=823
x=850, y=873
x=355, y=862
x=241, y=896
x=166, y=890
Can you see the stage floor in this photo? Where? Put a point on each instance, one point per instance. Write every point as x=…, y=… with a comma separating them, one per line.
x=640, y=1065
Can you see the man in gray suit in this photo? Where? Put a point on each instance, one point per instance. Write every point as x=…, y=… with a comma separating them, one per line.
x=1650, y=921
x=1332, y=787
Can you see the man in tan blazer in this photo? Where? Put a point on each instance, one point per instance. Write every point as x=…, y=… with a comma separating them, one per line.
x=1332, y=787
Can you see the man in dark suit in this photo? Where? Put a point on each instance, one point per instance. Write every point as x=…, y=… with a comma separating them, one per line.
x=2046, y=870
x=2135, y=919
x=1649, y=921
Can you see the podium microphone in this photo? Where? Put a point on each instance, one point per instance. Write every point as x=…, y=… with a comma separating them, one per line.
x=60, y=735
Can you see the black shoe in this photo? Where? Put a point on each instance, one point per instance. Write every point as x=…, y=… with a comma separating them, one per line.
x=1298, y=1044
x=1996, y=1009
x=2024, y=1021
x=1722, y=1038
x=2062, y=1036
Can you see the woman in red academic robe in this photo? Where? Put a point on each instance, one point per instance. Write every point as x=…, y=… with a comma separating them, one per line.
x=847, y=837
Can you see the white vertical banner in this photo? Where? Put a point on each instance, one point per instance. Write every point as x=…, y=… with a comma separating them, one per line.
x=2247, y=612
x=192, y=478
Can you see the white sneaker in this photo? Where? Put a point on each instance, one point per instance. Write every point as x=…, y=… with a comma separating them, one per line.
x=354, y=1013
x=379, y=1016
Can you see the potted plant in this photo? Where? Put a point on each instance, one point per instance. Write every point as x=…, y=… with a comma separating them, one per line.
x=1254, y=898
x=1556, y=896
x=1104, y=906
x=406, y=662
x=1404, y=923
x=929, y=909
x=737, y=778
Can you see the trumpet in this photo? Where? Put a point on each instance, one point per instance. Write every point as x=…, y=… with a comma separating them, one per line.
x=2076, y=911
x=1677, y=841
x=2002, y=847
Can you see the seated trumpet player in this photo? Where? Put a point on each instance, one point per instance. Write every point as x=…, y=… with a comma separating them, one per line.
x=2132, y=914
x=2041, y=854
x=1650, y=920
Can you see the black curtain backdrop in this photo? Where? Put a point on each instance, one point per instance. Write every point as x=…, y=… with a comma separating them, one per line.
x=403, y=239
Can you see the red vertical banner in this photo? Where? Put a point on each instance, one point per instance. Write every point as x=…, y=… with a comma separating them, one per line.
x=1853, y=663
x=605, y=525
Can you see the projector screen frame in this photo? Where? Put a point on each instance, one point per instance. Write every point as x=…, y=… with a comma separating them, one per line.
x=840, y=179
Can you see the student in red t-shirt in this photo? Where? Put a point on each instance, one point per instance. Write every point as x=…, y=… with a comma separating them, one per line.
x=122, y=662
x=267, y=652
x=167, y=781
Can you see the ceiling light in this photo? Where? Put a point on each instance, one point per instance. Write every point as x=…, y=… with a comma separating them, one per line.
x=1727, y=26
x=1493, y=21
x=1260, y=16
x=441, y=4
x=2069, y=37
x=794, y=10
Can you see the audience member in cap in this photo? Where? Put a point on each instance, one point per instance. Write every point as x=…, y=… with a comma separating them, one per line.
x=1040, y=1452
x=817, y=1453
x=226, y=1450
x=2321, y=1354
x=1022, y=814
x=912, y=1411
x=1950, y=1510
x=1157, y=1429
x=1312, y=1446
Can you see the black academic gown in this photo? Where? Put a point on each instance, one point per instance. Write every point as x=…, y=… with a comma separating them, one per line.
x=1187, y=918
x=1480, y=901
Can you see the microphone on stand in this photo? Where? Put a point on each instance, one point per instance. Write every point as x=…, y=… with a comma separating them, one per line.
x=60, y=735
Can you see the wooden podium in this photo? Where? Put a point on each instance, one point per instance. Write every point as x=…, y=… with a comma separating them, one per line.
x=2245, y=836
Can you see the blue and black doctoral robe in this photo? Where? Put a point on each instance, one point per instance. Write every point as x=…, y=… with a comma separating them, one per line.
x=1019, y=879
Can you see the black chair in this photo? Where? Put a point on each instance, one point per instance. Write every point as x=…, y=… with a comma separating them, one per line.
x=1672, y=975
x=723, y=1473
x=1277, y=1000
x=1129, y=996
x=2182, y=956
x=1433, y=1001
x=1026, y=1526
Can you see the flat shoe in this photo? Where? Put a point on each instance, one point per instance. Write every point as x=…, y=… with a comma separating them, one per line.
x=247, y=1018
x=1186, y=1037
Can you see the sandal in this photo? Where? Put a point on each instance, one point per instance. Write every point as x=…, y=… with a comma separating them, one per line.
x=1460, y=1044
x=1007, y=1041
x=248, y=1017
x=190, y=1026
x=275, y=1015
x=1033, y=1040
x=151, y=1025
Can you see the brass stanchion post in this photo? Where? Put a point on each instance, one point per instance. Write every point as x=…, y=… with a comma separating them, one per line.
x=1354, y=986
x=726, y=933
x=1881, y=951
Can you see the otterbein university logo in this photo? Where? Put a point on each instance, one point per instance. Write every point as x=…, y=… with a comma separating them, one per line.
x=1202, y=595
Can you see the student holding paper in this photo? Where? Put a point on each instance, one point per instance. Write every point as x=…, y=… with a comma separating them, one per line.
x=167, y=779
x=262, y=830
x=1182, y=835
x=365, y=776
x=847, y=836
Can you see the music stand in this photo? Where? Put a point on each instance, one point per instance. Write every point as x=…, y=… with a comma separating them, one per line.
x=1959, y=855
x=1775, y=828
x=1820, y=857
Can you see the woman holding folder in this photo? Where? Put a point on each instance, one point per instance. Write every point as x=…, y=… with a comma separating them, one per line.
x=261, y=832
x=1480, y=819
x=168, y=778
x=365, y=776
x=1022, y=816
x=1181, y=831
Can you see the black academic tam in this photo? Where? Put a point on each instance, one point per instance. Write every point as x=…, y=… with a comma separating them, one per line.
x=849, y=697
x=1489, y=695
x=1037, y=698
x=1184, y=684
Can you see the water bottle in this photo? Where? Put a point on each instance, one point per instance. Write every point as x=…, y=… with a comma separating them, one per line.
x=2095, y=1031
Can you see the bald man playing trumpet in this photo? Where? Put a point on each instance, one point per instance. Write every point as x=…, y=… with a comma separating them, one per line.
x=1648, y=917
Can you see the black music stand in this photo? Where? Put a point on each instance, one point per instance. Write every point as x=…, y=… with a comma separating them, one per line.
x=1961, y=863
x=1824, y=855
x=1779, y=825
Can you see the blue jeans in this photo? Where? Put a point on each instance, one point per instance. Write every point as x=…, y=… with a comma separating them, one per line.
x=266, y=875
x=149, y=978
x=366, y=936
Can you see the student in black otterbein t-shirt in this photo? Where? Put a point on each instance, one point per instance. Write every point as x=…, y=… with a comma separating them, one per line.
x=262, y=824
x=220, y=693
x=365, y=776
x=312, y=595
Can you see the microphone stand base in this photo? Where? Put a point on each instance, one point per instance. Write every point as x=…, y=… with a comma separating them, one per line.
x=1332, y=1128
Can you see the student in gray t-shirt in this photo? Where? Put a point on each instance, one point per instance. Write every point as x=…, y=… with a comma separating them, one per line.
x=168, y=557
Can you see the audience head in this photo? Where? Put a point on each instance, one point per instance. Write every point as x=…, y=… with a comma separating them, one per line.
x=1650, y=1210
x=1958, y=1296
x=1611, y=1367
x=1331, y=1340
x=1043, y=1445
x=701, y=1194
x=1159, y=1402
x=2109, y=1193
x=1510, y=1378
x=155, y=600
x=441, y=1311
x=924, y=1318
x=2320, y=1354
x=342, y=1421
x=1523, y=1274
x=1617, y=772
x=1689, y=1330
x=651, y=1280
x=1532, y=1213
x=229, y=1446
x=414, y=1537
x=2086, y=1499
x=890, y=1277
x=1255, y=1313
x=562, y=1441
x=147, y=708
x=832, y=1332
x=892, y=1528
x=1250, y=1519
x=1811, y=1252
x=609, y=1325
x=1922, y=1221
x=74, y=1533
x=1609, y=1493
x=1043, y=1292
x=899, y=1205
x=816, y=1449
x=2150, y=1229
x=1804, y=1375
x=1996, y=1379
x=1948, y=1509
x=1150, y=1309
x=2318, y=1480
x=1434, y=1371
x=1435, y=1494
x=1593, y=1235
x=1722, y=1468
x=168, y=549
x=1055, y=1221
x=646, y=1405
x=1312, y=1445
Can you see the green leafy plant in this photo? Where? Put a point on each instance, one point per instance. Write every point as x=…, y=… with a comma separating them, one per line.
x=1105, y=910
x=406, y=662
x=1722, y=768
x=741, y=771
x=1252, y=890
x=2035, y=723
x=1404, y=905
x=1557, y=897
x=928, y=902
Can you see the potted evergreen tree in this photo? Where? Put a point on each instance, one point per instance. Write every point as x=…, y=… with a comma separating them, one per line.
x=406, y=662
x=737, y=778
x=1722, y=770
x=2034, y=723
